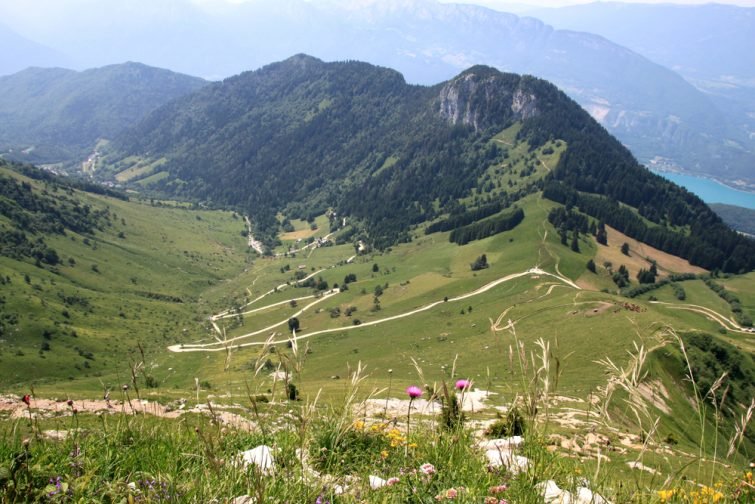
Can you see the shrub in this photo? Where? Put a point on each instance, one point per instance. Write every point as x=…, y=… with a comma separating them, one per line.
x=513, y=424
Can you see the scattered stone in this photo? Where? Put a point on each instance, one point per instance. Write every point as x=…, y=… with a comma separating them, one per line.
x=586, y=496
x=502, y=443
x=641, y=467
x=552, y=494
x=570, y=445
x=513, y=463
x=56, y=435
x=377, y=482
x=592, y=438
x=260, y=456
x=244, y=499
x=279, y=375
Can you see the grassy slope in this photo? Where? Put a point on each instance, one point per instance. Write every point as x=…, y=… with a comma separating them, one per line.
x=165, y=251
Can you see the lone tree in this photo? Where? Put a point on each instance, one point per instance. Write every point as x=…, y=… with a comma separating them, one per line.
x=293, y=324
x=601, y=236
x=625, y=248
x=591, y=265
x=621, y=277
x=645, y=276
x=575, y=241
x=480, y=263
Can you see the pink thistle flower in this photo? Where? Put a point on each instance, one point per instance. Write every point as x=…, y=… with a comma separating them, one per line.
x=414, y=391
x=451, y=493
x=392, y=481
x=27, y=399
x=463, y=384
x=428, y=469
x=497, y=489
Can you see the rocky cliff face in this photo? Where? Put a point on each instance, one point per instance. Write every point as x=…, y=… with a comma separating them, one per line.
x=483, y=98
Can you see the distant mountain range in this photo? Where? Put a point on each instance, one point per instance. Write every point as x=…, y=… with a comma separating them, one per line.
x=53, y=114
x=649, y=107
x=303, y=136
x=709, y=45
x=701, y=42
x=20, y=53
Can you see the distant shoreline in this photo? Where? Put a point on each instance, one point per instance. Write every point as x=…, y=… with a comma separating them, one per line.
x=711, y=190
x=663, y=172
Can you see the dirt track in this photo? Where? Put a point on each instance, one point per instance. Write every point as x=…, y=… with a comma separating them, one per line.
x=222, y=346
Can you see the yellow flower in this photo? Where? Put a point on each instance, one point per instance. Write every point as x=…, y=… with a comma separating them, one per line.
x=378, y=427
x=412, y=445
x=393, y=433
x=666, y=495
x=711, y=495
x=384, y=454
x=359, y=425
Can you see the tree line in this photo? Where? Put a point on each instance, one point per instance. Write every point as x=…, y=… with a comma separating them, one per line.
x=709, y=243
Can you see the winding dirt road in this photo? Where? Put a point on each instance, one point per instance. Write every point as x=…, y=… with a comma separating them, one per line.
x=726, y=323
x=221, y=346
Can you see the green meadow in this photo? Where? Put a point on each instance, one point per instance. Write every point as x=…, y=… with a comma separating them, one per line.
x=163, y=275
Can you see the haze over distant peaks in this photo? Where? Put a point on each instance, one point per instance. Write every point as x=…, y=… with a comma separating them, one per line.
x=650, y=108
x=20, y=53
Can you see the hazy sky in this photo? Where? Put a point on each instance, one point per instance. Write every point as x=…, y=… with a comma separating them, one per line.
x=520, y=4
x=40, y=17
x=561, y=3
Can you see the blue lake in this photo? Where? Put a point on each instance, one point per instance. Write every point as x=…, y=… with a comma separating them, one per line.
x=711, y=191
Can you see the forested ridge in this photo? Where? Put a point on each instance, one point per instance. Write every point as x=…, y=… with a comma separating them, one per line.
x=598, y=174
x=55, y=115
x=302, y=136
x=30, y=214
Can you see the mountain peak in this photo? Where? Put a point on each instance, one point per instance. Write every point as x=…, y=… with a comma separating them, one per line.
x=483, y=97
x=302, y=60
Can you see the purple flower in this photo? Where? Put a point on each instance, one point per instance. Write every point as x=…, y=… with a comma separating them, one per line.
x=463, y=384
x=414, y=391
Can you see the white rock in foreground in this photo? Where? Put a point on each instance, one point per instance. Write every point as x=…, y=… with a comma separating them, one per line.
x=586, y=496
x=502, y=443
x=552, y=494
x=261, y=456
x=243, y=499
x=513, y=463
x=377, y=482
